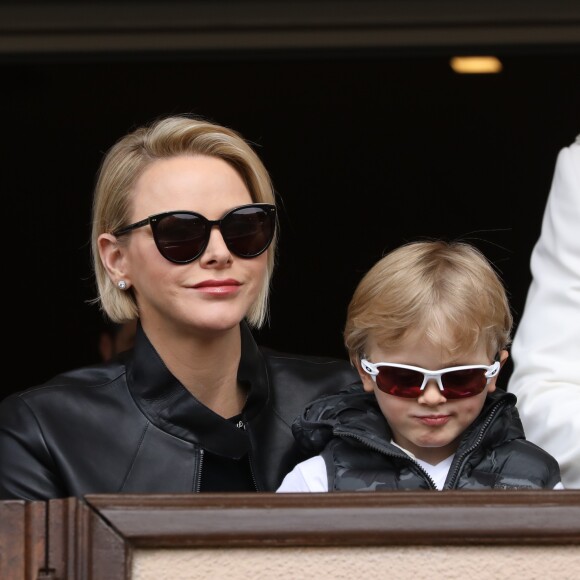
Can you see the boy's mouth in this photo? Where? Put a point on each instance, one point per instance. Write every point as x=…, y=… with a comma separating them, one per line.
x=434, y=420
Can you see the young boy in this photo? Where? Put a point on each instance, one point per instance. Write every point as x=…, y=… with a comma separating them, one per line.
x=427, y=329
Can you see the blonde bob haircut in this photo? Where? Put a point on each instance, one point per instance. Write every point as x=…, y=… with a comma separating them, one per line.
x=447, y=292
x=127, y=160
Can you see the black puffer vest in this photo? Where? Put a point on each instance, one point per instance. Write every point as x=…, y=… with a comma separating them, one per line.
x=353, y=437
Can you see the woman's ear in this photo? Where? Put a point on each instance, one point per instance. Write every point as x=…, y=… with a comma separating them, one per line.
x=112, y=257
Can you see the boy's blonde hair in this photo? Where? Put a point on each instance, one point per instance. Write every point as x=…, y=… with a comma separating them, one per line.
x=127, y=160
x=447, y=291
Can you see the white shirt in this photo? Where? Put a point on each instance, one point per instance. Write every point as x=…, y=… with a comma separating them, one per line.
x=310, y=475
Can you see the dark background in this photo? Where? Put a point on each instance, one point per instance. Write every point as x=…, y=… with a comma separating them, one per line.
x=366, y=149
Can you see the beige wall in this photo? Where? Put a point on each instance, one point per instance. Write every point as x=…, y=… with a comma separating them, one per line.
x=394, y=563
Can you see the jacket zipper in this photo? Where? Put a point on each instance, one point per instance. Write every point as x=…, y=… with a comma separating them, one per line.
x=252, y=471
x=200, y=465
x=376, y=447
x=459, y=461
x=244, y=427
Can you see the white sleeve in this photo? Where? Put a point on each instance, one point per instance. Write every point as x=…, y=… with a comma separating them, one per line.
x=308, y=476
x=546, y=346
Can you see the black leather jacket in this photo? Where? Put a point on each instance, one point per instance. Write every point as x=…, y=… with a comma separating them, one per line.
x=130, y=427
x=353, y=437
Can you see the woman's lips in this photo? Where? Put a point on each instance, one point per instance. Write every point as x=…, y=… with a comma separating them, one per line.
x=228, y=286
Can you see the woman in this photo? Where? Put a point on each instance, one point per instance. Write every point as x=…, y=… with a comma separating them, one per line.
x=184, y=234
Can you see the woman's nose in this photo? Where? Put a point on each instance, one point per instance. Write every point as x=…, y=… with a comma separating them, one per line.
x=217, y=249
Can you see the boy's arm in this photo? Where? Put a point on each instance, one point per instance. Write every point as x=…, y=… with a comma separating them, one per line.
x=546, y=347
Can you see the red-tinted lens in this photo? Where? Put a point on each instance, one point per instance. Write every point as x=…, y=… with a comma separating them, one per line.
x=248, y=231
x=407, y=383
x=463, y=383
x=400, y=382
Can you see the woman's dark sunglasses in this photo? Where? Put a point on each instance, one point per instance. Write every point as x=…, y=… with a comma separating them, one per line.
x=182, y=236
x=409, y=382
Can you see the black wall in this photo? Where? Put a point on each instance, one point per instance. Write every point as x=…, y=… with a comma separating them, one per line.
x=366, y=151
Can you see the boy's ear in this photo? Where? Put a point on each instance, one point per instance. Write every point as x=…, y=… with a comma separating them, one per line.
x=503, y=356
x=367, y=381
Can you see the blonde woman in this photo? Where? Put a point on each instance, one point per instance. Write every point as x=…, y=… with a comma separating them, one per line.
x=183, y=240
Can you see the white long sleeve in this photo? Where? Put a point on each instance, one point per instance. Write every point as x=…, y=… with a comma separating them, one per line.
x=546, y=347
x=308, y=476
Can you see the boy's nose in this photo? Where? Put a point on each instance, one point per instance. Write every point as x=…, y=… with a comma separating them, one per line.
x=431, y=394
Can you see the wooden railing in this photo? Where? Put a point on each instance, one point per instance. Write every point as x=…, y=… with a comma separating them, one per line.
x=110, y=537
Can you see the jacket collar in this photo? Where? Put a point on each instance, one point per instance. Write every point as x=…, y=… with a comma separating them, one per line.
x=172, y=408
x=358, y=413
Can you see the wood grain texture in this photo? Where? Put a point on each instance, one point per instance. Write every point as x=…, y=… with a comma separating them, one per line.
x=95, y=538
x=22, y=539
x=341, y=519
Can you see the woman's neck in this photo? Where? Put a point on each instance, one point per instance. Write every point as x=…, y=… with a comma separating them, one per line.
x=206, y=365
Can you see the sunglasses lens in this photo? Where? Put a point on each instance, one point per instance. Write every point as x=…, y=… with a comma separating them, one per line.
x=248, y=231
x=406, y=383
x=463, y=383
x=400, y=382
x=181, y=237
